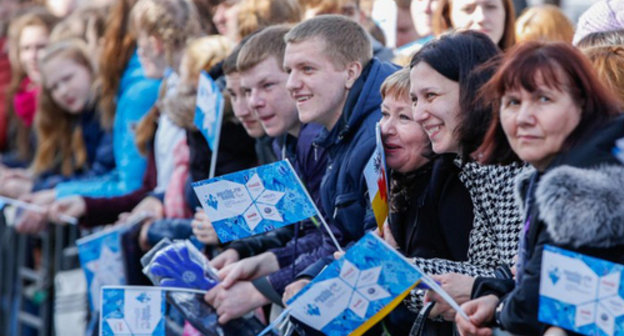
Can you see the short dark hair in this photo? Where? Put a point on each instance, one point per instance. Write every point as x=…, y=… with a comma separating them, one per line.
x=462, y=58
x=560, y=66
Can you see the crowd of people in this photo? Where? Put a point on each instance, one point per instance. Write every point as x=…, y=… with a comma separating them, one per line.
x=498, y=133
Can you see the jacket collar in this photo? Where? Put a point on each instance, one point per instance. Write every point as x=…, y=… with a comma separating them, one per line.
x=579, y=196
x=363, y=99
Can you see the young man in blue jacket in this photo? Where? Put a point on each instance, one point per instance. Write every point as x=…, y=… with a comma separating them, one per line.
x=335, y=82
x=261, y=279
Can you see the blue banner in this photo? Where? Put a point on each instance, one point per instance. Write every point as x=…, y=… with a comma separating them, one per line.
x=254, y=201
x=581, y=293
x=209, y=109
x=102, y=262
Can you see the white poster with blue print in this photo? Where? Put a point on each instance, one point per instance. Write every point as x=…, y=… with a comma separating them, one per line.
x=102, y=262
x=581, y=293
x=132, y=311
x=352, y=290
x=254, y=201
x=209, y=109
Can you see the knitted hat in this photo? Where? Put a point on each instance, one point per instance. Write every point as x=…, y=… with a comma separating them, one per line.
x=605, y=15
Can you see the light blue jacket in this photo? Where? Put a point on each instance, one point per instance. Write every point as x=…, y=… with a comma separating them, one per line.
x=136, y=96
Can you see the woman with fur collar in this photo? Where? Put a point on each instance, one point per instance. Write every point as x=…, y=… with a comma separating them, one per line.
x=558, y=117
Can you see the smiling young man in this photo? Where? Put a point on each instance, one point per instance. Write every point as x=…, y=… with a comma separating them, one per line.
x=261, y=279
x=335, y=82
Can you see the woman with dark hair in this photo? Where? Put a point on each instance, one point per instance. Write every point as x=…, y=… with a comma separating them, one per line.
x=430, y=209
x=444, y=75
x=558, y=117
x=495, y=18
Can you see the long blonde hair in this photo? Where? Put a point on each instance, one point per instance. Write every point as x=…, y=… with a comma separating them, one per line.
x=201, y=54
x=59, y=137
x=174, y=22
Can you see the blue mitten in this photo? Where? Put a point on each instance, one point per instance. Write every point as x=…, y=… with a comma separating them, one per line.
x=175, y=268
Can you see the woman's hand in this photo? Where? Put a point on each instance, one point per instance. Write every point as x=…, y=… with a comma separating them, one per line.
x=481, y=312
x=203, y=229
x=73, y=206
x=294, y=288
x=152, y=206
x=458, y=286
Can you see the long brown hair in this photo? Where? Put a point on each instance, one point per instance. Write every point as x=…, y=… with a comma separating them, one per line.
x=59, y=138
x=38, y=17
x=117, y=49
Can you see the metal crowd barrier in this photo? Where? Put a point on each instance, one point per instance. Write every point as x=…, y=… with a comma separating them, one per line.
x=26, y=293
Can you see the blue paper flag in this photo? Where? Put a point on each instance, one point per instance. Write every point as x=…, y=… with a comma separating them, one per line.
x=101, y=260
x=254, y=201
x=209, y=109
x=132, y=311
x=358, y=288
x=581, y=293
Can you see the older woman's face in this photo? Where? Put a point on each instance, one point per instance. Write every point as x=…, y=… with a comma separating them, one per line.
x=537, y=123
x=486, y=16
x=403, y=139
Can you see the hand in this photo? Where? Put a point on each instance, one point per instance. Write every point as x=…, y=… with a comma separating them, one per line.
x=203, y=229
x=514, y=268
x=458, y=286
x=554, y=331
x=339, y=254
x=175, y=268
x=44, y=197
x=480, y=311
x=31, y=222
x=73, y=206
x=294, y=288
x=388, y=237
x=248, y=269
x=143, y=239
x=15, y=182
x=236, y=301
x=225, y=258
x=151, y=205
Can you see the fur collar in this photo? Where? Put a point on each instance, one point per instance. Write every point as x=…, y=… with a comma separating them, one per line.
x=582, y=206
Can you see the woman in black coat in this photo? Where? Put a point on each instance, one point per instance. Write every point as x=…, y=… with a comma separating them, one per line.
x=430, y=209
x=559, y=118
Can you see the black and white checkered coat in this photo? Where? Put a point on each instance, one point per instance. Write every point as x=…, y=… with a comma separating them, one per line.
x=496, y=227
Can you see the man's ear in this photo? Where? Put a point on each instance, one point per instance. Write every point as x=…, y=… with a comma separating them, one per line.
x=354, y=70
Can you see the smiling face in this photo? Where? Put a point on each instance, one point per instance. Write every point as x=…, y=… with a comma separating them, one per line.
x=486, y=16
x=538, y=123
x=241, y=109
x=264, y=86
x=68, y=82
x=404, y=140
x=318, y=86
x=32, y=40
x=435, y=106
